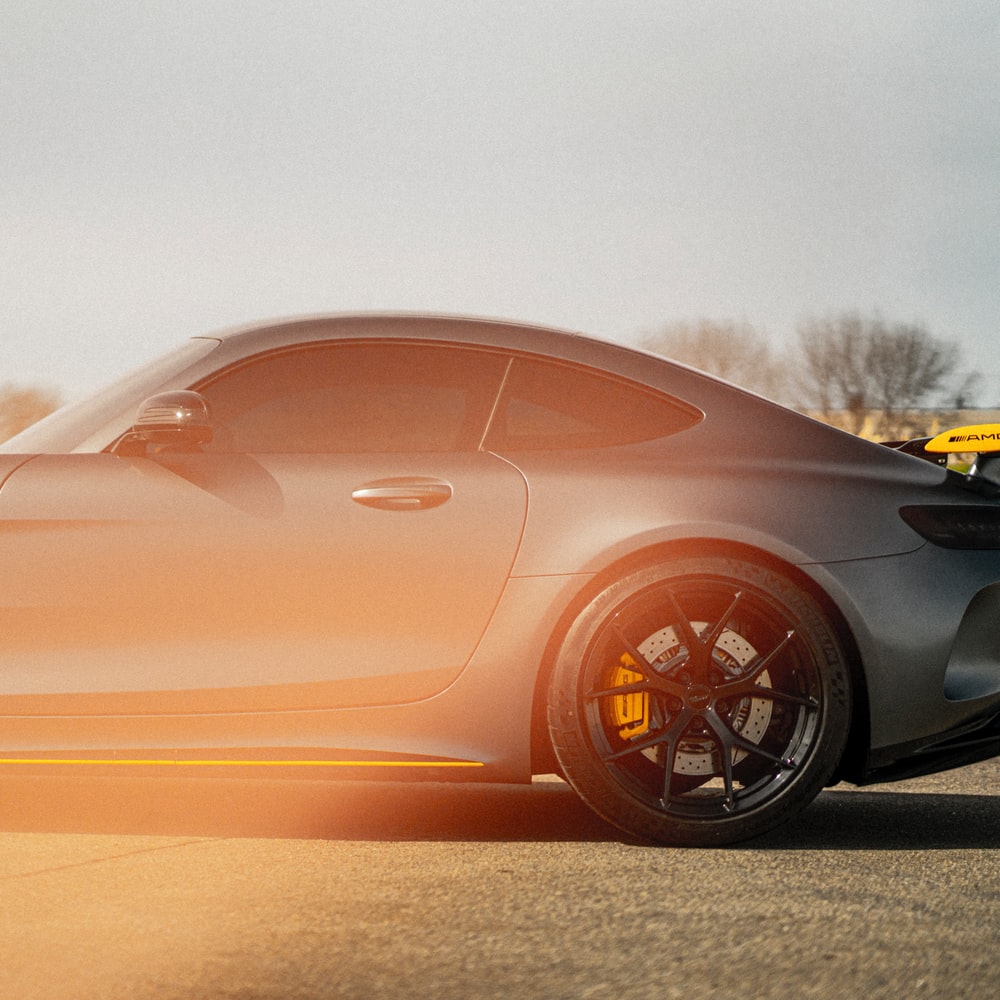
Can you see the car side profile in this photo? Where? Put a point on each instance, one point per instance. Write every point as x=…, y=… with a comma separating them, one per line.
x=427, y=546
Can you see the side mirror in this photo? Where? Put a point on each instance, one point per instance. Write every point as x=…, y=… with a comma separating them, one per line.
x=178, y=420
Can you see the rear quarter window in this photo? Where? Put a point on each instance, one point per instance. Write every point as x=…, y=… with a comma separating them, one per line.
x=550, y=405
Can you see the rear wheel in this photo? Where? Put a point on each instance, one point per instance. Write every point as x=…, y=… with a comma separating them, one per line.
x=700, y=701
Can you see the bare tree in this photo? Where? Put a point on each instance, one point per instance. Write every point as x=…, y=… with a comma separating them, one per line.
x=20, y=408
x=964, y=389
x=870, y=376
x=736, y=352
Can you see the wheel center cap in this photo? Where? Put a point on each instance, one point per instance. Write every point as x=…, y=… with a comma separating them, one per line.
x=699, y=696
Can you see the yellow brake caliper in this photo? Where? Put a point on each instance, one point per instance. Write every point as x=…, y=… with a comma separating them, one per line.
x=629, y=712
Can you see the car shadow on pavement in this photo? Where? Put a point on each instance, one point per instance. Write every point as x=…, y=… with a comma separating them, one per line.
x=890, y=821
x=544, y=811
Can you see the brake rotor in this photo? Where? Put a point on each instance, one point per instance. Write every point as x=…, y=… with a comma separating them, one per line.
x=749, y=717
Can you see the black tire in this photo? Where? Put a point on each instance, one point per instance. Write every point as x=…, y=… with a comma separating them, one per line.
x=700, y=701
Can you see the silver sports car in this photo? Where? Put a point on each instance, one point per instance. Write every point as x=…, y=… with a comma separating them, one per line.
x=394, y=546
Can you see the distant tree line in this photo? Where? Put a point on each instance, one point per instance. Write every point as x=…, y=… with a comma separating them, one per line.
x=21, y=407
x=865, y=375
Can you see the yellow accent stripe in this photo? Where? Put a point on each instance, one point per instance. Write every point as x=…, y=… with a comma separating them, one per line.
x=250, y=763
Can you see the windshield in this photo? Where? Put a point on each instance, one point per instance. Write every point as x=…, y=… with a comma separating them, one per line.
x=80, y=426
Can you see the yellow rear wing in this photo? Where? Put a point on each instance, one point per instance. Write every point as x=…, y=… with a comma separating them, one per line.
x=983, y=439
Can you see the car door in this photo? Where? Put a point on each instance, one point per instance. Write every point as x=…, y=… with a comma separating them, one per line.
x=342, y=541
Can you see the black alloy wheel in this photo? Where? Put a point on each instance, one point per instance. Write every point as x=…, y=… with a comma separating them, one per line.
x=700, y=701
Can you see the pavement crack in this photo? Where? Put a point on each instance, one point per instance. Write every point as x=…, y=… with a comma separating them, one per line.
x=109, y=857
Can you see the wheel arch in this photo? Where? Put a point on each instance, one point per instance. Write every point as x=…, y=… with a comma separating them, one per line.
x=854, y=759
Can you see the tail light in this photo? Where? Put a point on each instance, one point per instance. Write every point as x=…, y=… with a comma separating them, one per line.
x=955, y=526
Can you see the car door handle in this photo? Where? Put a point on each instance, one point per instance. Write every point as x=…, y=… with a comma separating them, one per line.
x=406, y=493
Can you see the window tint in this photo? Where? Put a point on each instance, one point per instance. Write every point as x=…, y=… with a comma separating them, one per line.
x=357, y=397
x=546, y=404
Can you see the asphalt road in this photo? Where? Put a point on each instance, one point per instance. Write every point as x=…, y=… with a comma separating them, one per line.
x=193, y=889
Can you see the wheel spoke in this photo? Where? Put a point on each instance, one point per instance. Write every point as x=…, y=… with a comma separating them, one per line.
x=728, y=739
x=709, y=639
x=762, y=664
x=701, y=646
x=672, y=730
x=633, y=687
x=638, y=746
x=760, y=691
x=653, y=679
x=691, y=638
x=726, y=757
x=642, y=665
x=672, y=743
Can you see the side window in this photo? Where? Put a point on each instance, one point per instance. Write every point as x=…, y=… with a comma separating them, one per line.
x=355, y=398
x=547, y=404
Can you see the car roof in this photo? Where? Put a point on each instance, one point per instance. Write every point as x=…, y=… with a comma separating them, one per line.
x=472, y=330
x=563, y=344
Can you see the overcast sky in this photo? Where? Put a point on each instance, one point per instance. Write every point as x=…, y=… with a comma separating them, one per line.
x=172, y=167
